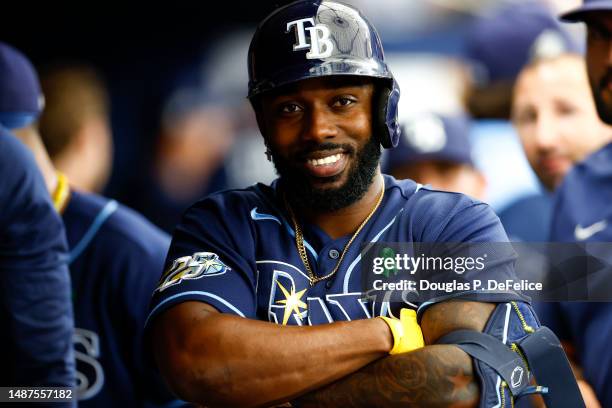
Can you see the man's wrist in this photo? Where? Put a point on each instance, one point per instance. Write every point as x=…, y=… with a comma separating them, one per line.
x=391, y=337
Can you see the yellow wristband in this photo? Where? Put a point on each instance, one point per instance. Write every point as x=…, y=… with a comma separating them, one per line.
x=407, y=334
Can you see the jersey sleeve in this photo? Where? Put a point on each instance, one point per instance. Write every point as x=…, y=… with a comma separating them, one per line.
x=211, y=259
x=474, y=230
x=35, y=303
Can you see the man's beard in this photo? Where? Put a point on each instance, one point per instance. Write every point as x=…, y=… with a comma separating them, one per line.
x=604, y=110
x=303, y=194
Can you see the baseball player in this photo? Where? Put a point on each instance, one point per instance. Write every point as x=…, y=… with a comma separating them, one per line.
x=435, y=150
x=557, y=122
x=558, y=125
x=582, y=205
x=261, y=302
x=35, y=311
x=115, y=258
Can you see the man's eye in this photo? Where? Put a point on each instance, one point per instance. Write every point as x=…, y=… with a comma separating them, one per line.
x=344, y=101
x=525, y=117
x=290, y=108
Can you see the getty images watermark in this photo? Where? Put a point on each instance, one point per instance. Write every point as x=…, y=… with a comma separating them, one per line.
x=427, y=265
x=418, y=272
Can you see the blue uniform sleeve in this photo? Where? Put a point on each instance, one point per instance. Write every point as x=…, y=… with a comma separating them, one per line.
x=211, y=259
x=463, y=220
x=36, y=308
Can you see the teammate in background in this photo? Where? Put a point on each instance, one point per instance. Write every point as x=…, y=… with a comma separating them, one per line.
x=555, y=116
x=115, y=260
x=35, y=309
x=194, y=138
x=435, y=150
x=262, y=299
x=582, y=206
x=75, y=125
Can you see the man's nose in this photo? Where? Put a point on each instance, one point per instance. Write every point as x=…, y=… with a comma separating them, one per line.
x=321, y=125
x=546, y=136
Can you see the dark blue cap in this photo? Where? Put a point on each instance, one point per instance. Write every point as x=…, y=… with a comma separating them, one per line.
x=500, y=45
x=21, y=99
x=588, y=6
x=430, y=137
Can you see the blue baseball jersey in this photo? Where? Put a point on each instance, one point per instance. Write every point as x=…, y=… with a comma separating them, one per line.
x=582, y=213
x=116, y=258
x=236, y=251
x=35, y=307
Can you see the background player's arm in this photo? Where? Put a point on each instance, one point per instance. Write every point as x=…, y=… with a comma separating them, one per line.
x=219, y=359
x=433, y=376
x=35, y=304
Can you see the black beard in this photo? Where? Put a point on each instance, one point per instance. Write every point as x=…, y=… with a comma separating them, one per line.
x=603, y=109
x=302, y=194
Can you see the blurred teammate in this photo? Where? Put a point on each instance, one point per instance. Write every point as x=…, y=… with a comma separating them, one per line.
x=435, y=150
x=555, y=116
x=262, y=298
x=35, y=309
x=557, y=122
x=582, y=205
x=75, y=125
x=115, y=260
x=195, y=137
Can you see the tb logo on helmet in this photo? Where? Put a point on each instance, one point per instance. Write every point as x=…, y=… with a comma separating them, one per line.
x=320, y=44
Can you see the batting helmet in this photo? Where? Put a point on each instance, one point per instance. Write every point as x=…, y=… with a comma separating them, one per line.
x=588, y=7
x=320, y=38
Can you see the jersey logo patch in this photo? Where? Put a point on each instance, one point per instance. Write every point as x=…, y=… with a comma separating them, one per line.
x=192, y=267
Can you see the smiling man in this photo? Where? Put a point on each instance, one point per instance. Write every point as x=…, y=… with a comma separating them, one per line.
x=262, y=301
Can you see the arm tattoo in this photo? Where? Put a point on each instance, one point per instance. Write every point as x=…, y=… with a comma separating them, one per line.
x=434, y=376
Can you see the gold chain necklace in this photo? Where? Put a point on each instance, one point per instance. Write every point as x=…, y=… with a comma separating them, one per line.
x=299, y=241
x=61, y=194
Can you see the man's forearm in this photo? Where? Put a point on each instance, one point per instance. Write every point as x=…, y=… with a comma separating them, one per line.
x=222, y=360
x=434, y=376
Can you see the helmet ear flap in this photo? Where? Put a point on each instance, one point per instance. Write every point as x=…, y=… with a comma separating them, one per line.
x=386, y=124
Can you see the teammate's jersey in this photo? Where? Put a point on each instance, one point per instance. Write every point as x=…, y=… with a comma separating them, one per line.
x=582, y=213
x=35, y=307
x=582, y=210
x=248, y=263
x=116, y=258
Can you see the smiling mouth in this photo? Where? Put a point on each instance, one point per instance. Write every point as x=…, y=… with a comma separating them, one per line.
x=326, y=165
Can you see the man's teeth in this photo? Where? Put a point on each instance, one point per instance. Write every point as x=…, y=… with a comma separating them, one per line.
x=325, y=160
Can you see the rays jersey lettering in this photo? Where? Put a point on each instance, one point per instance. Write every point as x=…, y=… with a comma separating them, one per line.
x=90, y=374
x=289, y=303
x=320, y=45
x=249, y=231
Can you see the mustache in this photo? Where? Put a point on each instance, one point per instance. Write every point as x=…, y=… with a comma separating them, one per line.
x=302, y=154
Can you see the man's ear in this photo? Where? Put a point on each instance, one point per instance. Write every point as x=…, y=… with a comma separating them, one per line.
x=259, y=116
x=261, y=123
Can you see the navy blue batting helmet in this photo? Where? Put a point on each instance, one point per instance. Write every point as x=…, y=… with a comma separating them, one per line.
x=320, y=38
x=588, y=7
